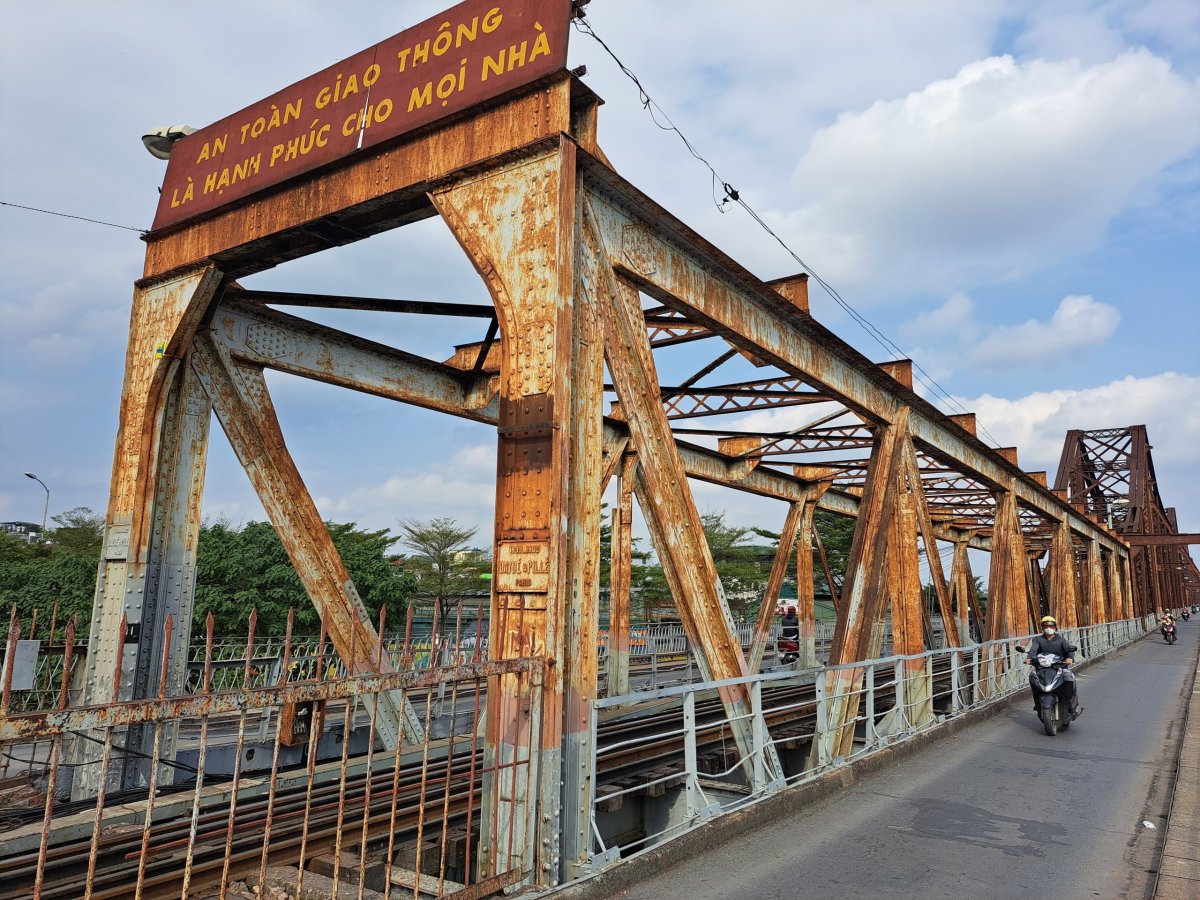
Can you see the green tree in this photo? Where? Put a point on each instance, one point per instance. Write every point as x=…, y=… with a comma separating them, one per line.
x=837, y=535
x=442, y=562
x=245, y=567
x=60, y=569
x=79, y=531
x=742, y=566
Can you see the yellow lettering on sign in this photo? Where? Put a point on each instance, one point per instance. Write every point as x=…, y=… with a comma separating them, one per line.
x=420, y=96
x=523, y=567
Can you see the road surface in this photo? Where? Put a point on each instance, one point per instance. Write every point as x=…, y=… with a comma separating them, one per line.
x=998, y=810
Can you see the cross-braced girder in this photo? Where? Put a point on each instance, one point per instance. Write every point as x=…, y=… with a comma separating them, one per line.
x=569, y=252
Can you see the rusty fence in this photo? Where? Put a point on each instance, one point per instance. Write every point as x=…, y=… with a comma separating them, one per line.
x=362, y=819
x=804, y=723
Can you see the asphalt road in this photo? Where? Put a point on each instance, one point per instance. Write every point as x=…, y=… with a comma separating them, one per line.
x=999, y=810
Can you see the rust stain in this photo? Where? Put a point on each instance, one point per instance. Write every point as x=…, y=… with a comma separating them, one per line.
x=475, y=51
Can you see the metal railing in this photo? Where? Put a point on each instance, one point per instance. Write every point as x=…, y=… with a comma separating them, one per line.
x=660, y=656
x=407, y=822
x=827, y=717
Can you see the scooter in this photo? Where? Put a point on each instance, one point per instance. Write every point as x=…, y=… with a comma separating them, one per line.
x=1050, y=682
x=1168, y=633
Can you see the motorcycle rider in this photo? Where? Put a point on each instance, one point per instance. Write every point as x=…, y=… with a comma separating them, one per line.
x=790, y=632
x=1166, y=625
x=1050, y=641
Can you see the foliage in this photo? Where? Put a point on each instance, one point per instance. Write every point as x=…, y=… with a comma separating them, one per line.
x=742, y=566
x=837, y=535
x=239, y=568
x=442, y=563
x=36, y=576
x=79, y=531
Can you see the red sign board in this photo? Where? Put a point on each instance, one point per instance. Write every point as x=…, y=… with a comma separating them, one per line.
x=473, y=52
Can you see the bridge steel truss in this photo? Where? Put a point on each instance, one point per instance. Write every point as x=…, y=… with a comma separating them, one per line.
x=1109, y=474
x=587, y=275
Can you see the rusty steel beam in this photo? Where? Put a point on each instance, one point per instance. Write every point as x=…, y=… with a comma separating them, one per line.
x=243, y=406
x=1064, y=605
x=270, y=339
x=929, y=540
x=864, y=592
x=1097, y=595
x=908, y=612
x=1161, y=540
x=370, y=304
x=666, y=499
x=547, y=532
x=621, y=565
x=148, y=553
x=962, y=591
x=679, y=269
x=1008, y=589
x=368, y=194
x=274, y=340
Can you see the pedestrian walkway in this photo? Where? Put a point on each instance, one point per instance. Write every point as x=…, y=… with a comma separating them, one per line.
x=1179, y=871
x=997, y=810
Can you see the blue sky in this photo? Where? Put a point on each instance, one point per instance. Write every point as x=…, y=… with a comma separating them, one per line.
x=1009, y=190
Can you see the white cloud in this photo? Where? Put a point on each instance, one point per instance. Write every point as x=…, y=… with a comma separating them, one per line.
x=467, y=496
x=1079, y=324
x=955, y=317
x=953, y=337
x=1089, y=30
x=997, y=172
x=1167, y=404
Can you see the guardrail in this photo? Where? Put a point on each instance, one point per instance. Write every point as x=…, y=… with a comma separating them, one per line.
x=660, y=656
x=392, y=821
x=849, y=711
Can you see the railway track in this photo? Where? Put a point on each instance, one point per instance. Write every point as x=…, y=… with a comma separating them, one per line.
x=306, y=821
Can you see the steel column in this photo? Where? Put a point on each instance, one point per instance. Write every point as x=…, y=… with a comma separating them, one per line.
x=620, y=567
x=864, y=591
x=929, y=540
x=1064, y=604
x=153, y=509
x=546, y=587
x=1096, y=594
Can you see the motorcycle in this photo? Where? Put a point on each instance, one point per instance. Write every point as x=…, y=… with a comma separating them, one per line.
x=1185, y=615
x=789, y=650
x=1051, y=682
x=1168, y=633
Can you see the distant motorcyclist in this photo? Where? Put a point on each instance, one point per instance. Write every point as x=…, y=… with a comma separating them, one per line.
x=791, y=634
x=1167, y=626
x=1050, y=641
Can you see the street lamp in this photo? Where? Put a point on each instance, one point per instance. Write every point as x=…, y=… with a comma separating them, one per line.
x=46, y=510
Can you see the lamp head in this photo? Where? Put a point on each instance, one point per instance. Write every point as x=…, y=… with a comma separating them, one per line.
x=160, y=141
x=31, y=475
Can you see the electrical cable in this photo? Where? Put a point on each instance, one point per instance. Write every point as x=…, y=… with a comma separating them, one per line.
x=731, y=194
x=64, y=215
x=130, y=751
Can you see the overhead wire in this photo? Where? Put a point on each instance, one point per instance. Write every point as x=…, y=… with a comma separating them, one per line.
x=732, y=195
x=63, y=215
